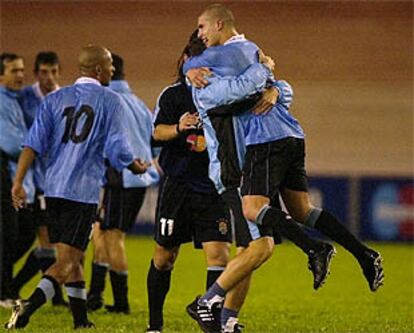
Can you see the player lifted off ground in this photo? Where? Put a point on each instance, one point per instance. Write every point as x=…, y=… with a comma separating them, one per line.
x=274, y=161
x=76, y=126
x=226, y=150
x=124, y=194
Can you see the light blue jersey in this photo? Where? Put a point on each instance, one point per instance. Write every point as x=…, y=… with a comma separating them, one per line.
x=30, y=99
x=12, y=132
x=138, y=123
x=76, y=126
x=232, y=59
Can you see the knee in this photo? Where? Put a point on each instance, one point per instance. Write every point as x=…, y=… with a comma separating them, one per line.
x=164, y=259
x=250, y=210
x=260, y=252
x=218, y=256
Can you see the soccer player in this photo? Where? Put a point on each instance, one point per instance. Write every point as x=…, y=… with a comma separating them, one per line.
x=274, y=161
x=189, y=207
x=124, y=194
x=17, y=227
x=46, y=72
x=221, y=133
x=76, y=127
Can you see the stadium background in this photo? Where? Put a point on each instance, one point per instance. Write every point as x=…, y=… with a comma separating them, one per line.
x=350, y=63
x=351, y=67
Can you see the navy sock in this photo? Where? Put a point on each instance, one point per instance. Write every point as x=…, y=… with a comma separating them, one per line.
x=228, y=317
x=158, y=285
x=77, y=301
x=215, y=294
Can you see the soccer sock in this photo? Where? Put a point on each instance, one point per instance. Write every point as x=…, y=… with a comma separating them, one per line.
x=119, y=283
x=97, y=285
x=44, y=291
x=331, y=227
x=213, y=272
x=26, y=273
x=228, y=318
x=46, y=257
x=77, y=301
x=215, y=294
x=288, y=228
x=158, y=285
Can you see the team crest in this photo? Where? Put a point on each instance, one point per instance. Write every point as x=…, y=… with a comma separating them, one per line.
x=197, y=142
x=223, y=226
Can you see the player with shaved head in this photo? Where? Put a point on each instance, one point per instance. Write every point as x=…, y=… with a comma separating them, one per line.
x=76, y=127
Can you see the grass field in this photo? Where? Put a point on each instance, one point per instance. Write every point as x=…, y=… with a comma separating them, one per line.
x=281, y=297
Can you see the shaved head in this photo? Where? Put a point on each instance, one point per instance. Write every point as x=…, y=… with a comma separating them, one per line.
x=220, y=12
x=96, y=62
x=92, y=55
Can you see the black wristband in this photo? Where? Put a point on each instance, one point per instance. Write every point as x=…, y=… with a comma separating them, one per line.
x=177, y=128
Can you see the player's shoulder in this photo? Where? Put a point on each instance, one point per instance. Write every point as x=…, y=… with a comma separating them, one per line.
x=171, y=91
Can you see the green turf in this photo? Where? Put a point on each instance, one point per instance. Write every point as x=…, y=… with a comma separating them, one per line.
x=281, y=297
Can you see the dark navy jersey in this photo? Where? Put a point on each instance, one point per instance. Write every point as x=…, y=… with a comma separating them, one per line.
x=185, y=157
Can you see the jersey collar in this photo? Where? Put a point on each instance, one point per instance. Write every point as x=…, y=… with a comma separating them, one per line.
x=38, y=91
x=235, y=38
x=85, y=79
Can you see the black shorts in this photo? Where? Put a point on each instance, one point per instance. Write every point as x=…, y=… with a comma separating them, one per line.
x=121, y=207
x=70, y=222
x=41, y=214
x=244, y=231
x=184, y=215
x=274, y=165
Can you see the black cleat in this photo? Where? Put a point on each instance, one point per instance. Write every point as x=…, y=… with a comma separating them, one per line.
x=371, y=265
x=118, y=309
x=18, y=318
x=86, y=324
x=94, y=302
x=204, y=316
x=319, y=263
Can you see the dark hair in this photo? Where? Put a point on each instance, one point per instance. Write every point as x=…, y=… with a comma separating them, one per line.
x=7, y=57
x=49, y=58
x=118, y=64
x=194, y=47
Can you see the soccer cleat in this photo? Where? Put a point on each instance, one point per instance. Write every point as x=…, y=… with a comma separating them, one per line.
x=204, y=316
x=319, y=263
x=86, y=324
x=94, y=302
x=232, y=326
x=118, y=309
x=18, y=319
x=371, y=265
x=7, y=303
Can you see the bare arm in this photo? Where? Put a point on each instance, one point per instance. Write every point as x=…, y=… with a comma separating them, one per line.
x=25, y=161
x=164, y=132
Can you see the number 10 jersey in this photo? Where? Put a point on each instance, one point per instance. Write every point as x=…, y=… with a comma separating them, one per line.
x=76, y=128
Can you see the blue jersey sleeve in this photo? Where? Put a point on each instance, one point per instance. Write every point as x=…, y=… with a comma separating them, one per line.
x=205, y=59
x=39, y=134
x=285, y=93
x=227, y=90
x=116, y=148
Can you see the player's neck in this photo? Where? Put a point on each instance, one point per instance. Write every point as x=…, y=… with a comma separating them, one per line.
x=227, y=35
